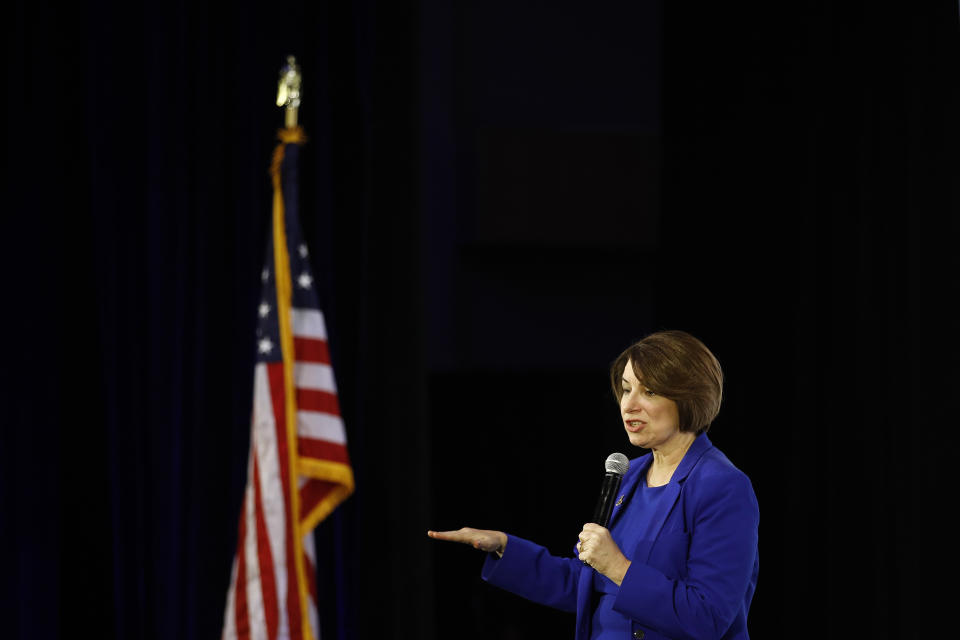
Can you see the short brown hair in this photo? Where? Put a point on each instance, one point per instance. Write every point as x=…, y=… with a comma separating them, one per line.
x=677, y=366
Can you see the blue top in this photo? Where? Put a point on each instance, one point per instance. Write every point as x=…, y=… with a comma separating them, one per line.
x=637, y=509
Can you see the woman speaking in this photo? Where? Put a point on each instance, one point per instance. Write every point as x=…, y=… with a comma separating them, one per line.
x=678, y=559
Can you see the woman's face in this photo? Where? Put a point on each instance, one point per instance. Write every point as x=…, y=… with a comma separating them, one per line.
x=650, y=419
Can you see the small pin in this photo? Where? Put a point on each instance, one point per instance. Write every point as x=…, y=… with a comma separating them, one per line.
x=619, y=501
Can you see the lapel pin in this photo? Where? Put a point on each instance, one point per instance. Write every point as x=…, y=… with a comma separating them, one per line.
x=619, y=501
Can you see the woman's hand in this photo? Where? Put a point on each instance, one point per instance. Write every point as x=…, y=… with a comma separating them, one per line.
x=491, y=541
x=598, y=550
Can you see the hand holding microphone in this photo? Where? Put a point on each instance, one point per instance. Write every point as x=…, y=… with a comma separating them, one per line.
x=596, y=547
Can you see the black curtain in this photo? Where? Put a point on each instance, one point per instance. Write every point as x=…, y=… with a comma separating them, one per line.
x=139, y=139
x=806, y=228
x=812, y=193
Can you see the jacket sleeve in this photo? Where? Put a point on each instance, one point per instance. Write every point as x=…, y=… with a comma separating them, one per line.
x=528, y=570
x=720, y=564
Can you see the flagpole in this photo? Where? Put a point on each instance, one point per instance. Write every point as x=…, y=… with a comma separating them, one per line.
x=288, y=91
x=288, y=96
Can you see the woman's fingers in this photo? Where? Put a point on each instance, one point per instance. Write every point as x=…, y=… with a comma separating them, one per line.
x=452, y=536
x=465, y=535
x=596, y=548
x=476, y=538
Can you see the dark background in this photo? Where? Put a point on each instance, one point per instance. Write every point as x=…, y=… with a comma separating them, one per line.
x=499, y=197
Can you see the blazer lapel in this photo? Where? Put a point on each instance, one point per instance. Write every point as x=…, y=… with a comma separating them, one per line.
x=673, y=488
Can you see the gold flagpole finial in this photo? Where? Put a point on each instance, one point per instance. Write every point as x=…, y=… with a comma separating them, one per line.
x=288, y=91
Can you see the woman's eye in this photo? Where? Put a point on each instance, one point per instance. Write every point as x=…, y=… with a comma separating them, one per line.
x=650, y=392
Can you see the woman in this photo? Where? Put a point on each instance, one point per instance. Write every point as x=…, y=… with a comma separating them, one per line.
x=679, y=559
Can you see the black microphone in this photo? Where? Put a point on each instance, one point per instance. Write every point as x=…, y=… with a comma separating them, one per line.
x=615, y=466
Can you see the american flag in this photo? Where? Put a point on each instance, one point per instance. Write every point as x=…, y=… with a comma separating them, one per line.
x=298, y=469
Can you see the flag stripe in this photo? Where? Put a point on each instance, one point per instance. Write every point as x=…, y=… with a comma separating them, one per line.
x=275, y=374
x=314, y=376
x=320, y=426
x=229, y=618
x=255, y=618
x=269, y=476
x=323, y=450
x=308, y=323
x=316, y=400
x=311, y=350
x=286, y=567
x=265, y=557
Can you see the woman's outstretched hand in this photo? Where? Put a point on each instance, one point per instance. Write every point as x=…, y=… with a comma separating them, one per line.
x=483, y=539
x=597, y=549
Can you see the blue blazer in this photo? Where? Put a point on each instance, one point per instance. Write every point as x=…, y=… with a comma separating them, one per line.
x=694, y=564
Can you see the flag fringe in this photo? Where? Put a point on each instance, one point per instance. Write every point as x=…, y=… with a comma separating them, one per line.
x=284, y=300
x=324, y=508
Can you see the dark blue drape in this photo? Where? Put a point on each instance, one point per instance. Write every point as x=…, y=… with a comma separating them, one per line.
x=142, y=172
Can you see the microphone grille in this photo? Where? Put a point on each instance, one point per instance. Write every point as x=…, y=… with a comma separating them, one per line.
x=616, y=463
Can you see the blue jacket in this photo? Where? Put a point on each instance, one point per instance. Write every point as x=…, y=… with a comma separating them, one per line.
x=694, y=565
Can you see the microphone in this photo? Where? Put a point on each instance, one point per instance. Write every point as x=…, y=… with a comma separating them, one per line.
x=615, y=466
